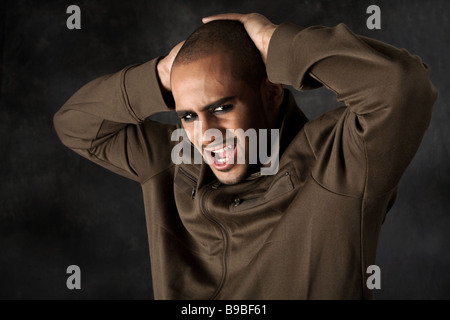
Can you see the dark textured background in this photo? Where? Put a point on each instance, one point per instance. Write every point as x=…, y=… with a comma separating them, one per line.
x=57, y=209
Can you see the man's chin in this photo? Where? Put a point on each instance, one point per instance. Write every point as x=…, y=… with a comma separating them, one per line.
x=233, y=175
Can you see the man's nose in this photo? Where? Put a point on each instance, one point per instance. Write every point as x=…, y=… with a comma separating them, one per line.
x=210, y=132
x=207, y=138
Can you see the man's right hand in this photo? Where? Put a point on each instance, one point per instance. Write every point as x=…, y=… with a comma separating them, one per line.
x=165, y=66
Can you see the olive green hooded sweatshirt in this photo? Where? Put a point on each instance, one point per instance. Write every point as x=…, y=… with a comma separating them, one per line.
x=308, y=232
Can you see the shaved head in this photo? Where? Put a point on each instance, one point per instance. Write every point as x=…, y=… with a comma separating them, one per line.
x=228, y=37
x=219, y=81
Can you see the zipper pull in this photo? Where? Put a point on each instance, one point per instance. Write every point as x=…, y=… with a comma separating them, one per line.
x=216, y=185
x=194, y=189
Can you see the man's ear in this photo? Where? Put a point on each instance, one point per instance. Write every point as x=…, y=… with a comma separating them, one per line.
x=274, y=94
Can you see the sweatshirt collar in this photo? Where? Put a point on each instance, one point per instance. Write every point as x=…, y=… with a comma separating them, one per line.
x=292, y=120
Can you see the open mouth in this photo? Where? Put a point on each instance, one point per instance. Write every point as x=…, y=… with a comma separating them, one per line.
x=222, y=157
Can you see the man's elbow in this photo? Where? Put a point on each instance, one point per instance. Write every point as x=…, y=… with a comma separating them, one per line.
x=65, y=130
x=59, y=127
x=413, y=79
x=410, y=100
x=413, y=93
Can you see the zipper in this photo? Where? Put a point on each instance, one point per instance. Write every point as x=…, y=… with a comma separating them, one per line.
x=225, y=234
x=193, y=179
x=286, y=174
x=214, y=220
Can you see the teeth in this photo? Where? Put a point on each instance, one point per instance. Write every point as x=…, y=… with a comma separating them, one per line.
x=230, y=146
x=222, y=160
x=222, y=152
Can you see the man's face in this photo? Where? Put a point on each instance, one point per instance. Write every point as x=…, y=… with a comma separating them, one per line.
x=207, y=96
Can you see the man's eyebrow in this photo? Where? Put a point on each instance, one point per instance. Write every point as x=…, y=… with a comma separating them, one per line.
x=217, y=103
x=213, y=105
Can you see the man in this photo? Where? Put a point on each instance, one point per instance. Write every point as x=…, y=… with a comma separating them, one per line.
x=222, y=229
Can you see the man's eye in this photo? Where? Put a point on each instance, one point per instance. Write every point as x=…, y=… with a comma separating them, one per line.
x=189, y=117
x=222, y=109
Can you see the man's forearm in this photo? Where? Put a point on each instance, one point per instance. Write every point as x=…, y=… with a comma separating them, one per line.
x=126, y=97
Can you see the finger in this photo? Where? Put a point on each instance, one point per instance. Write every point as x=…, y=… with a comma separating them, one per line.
x=178, y=46
x=225, y=16
x=176, y=49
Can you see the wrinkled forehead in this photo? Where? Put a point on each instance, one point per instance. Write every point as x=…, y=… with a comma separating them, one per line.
x=214, y=62
x=208, y=78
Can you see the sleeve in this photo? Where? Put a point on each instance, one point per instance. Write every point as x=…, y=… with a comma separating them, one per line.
x=106, y=122
x=388, y=97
